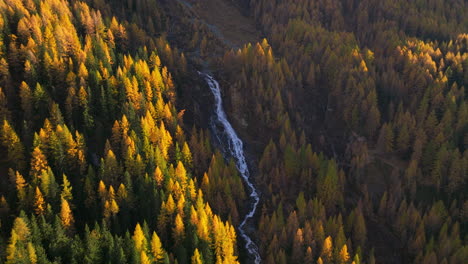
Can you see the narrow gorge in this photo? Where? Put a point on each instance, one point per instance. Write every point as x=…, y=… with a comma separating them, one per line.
x=233, y=148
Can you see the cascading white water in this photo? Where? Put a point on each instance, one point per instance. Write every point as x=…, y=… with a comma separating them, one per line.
x=235, y=149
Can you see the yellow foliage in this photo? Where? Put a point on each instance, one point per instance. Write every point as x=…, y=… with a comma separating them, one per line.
x=66, y=214
x=327, y=249
x=179, y=229
x=156, y=247
x=38, y=162
x=39, y=203
x=344, y=255
x=139, y=238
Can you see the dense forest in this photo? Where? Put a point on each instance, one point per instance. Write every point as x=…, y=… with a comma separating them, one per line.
x=353, y=113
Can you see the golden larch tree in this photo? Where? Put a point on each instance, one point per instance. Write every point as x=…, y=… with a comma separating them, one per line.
x=144, y=259
x=196, y=258
x=10, y=140
x=139, y=238
x=66, y=215
x=344, y=255
x=38, y=162
x=156, y=247
x=66, y=189
x=179, y=229
x=39, y=203
x=21, y=187
x=327, y=250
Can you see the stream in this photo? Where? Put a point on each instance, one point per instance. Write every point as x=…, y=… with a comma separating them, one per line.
x=233, y=147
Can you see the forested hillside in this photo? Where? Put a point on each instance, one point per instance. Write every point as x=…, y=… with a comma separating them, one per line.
x=379, y=86
x=95, y=165
x=353, y=114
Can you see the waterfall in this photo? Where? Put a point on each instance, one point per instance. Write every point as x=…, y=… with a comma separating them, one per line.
x=233, y=147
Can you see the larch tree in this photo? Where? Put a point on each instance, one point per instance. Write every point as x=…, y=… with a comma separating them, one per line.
x=359, y=228
x=11, y=249
x=196, y=258
x=144, y=259
x=158, y=176
x=187, y=155
x=344, y=255
x=66, y=215
x=39, y=202
x=309, y=257
x=26, y=100
x=38, y=163
x=21, y=189
x=139, y=238
x=32, y=256
x=156, y=248
x=298, y=244
x=48, y=184
x=319, y=260
x=181, y=175
x=328, y=190
x=15, y=149
x=66, y=189
x=327, y=250
x=4, y=111
x=20, y=236
x=179, y=229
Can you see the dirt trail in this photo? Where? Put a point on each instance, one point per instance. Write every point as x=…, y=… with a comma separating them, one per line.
x=226, y=20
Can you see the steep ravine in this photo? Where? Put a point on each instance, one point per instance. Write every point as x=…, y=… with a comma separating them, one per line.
x=233, y=29
x=233, y=147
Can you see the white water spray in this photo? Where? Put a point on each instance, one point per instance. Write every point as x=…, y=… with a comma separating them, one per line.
x=235, y=149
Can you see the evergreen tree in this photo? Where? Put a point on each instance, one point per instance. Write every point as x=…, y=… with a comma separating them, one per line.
x=139, y=238
x=66, y=215
x=14, y=148
x=39, y=202
x=66, y=189
x=156, y=248
x=197, y=258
